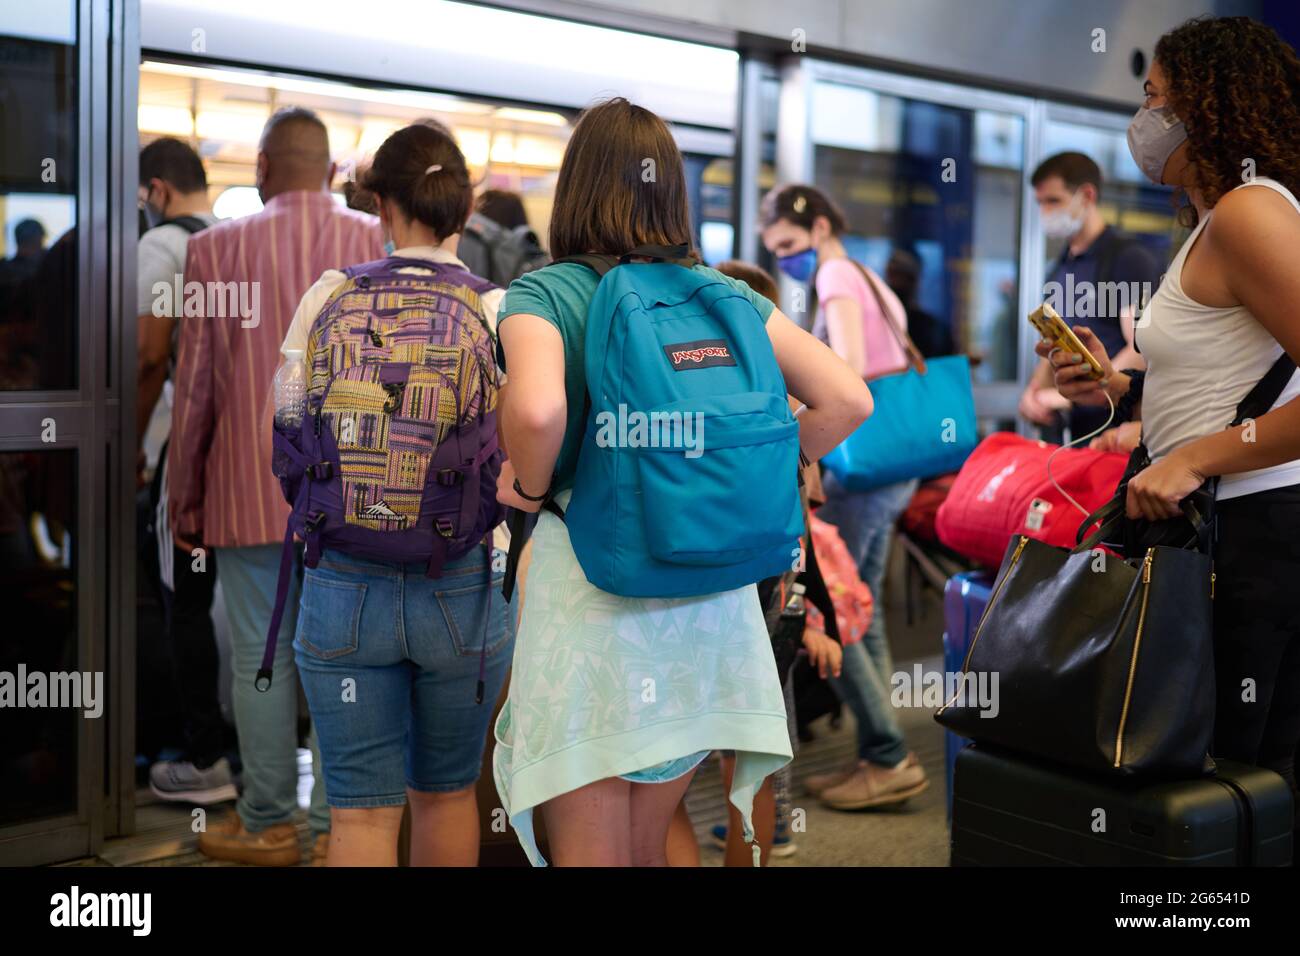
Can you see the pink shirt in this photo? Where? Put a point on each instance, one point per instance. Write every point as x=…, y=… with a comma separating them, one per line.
x=841, y=278
x=219, y=462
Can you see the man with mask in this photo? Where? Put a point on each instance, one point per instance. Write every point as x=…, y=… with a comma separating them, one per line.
x=223, y=497
x=174, y=201
x=1100, y=280
x=174, y=198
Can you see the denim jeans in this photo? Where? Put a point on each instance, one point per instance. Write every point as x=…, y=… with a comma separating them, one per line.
x=390, y=660
x=267, y=723
x=865, y=520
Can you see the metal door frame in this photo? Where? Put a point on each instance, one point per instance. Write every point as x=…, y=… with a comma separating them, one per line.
x=95, y=419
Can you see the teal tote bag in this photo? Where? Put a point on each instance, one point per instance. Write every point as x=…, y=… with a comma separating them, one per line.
x=923, y=424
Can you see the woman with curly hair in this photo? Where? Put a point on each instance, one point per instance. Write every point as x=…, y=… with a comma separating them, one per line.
x=1220, y=119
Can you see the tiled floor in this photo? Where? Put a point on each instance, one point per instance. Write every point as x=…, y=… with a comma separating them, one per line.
x=914, y=835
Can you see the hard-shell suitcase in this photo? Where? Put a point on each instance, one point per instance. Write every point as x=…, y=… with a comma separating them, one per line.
x=965, y=597
x=1014, y=811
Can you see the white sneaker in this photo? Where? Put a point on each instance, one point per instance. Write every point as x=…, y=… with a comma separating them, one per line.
x=181, y=781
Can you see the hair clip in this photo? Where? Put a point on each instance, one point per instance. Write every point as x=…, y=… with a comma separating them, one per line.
x=800, y=203
x=432, y=169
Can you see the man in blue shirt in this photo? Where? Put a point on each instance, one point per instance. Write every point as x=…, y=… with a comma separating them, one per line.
x=1101, y=280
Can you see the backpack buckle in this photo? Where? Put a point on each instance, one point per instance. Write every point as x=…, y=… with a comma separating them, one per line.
x=444, y=527
x=394, y=390
x=315, y=521
x=321, y=471
x=450, y=477
x=363, y=282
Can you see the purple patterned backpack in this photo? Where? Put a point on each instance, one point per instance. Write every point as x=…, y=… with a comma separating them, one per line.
x=397, y=458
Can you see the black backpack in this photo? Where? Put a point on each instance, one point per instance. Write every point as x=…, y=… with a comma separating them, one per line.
x=498, y=254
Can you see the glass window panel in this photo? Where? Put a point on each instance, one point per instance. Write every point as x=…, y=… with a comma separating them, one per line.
x=943, y=184
x=1128, y=199
x=38, y=204
x=769, y=116
x=38, y=643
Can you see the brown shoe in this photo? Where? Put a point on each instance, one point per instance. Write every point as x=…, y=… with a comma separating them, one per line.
x=320, y=850
x=817, y=783
x=873, y=786
x=228, y=840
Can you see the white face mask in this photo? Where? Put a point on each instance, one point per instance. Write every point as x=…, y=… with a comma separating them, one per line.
x=1064, y=223
x=1153, y=135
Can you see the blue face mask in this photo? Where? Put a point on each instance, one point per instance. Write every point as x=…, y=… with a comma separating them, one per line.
x=389, y=248
x=800, y=265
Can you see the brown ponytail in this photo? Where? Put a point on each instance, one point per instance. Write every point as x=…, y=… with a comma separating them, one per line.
x=422, y=170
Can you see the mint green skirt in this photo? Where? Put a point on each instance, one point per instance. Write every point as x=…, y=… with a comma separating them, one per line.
x=605, y=686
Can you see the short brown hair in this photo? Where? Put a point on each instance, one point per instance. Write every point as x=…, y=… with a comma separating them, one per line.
x=801, y=205
x=174, y=163
x=503, y=207
x=604, y=202
x=1074, y=169
x=760, y=280
x=421, y=168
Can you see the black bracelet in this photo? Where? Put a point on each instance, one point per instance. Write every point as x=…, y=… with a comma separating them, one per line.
x=527, y=497
x=1127, y=403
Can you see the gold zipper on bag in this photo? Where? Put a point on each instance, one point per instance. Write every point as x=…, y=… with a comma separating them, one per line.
x=1133, y=663
x=965, y=665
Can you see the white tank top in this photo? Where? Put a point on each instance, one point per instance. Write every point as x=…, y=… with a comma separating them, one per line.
x=1202, y=360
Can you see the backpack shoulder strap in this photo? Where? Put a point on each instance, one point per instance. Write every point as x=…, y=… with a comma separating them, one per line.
x=597, y=264
x=1266, y=391
x=190, y=224
x=601, y=264
x=914, y=356
x=679, y=255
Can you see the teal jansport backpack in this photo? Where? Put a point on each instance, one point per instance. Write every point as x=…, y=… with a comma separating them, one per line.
x=688, y=474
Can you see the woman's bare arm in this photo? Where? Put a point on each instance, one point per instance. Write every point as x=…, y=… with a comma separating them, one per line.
x=534, y=408
x=844, y=329
x=838, y=399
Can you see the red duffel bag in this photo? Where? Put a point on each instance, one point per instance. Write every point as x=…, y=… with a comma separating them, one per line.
x=919, y=517
x=1004, y=490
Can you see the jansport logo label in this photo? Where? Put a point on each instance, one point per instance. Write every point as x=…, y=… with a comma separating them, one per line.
x=702, y=353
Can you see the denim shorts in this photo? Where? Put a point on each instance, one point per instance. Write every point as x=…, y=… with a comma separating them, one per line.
x=389, y=660
x=668, y=770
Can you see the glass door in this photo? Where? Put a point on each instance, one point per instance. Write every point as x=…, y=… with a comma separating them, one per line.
x=1129, y=201
x=931, y=176
x=60, y=480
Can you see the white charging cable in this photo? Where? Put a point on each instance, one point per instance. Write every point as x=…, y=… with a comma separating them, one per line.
x=1075, y=441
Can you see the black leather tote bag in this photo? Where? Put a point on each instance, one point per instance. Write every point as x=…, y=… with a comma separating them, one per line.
x=1102, y=662
x=1090, y=660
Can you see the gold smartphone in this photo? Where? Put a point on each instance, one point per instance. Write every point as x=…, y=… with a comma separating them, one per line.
x=1052, y=327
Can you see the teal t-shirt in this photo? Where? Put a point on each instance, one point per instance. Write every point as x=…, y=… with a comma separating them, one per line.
x=561, y=294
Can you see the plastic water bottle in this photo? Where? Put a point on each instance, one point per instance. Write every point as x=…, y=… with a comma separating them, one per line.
x=290, y=389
